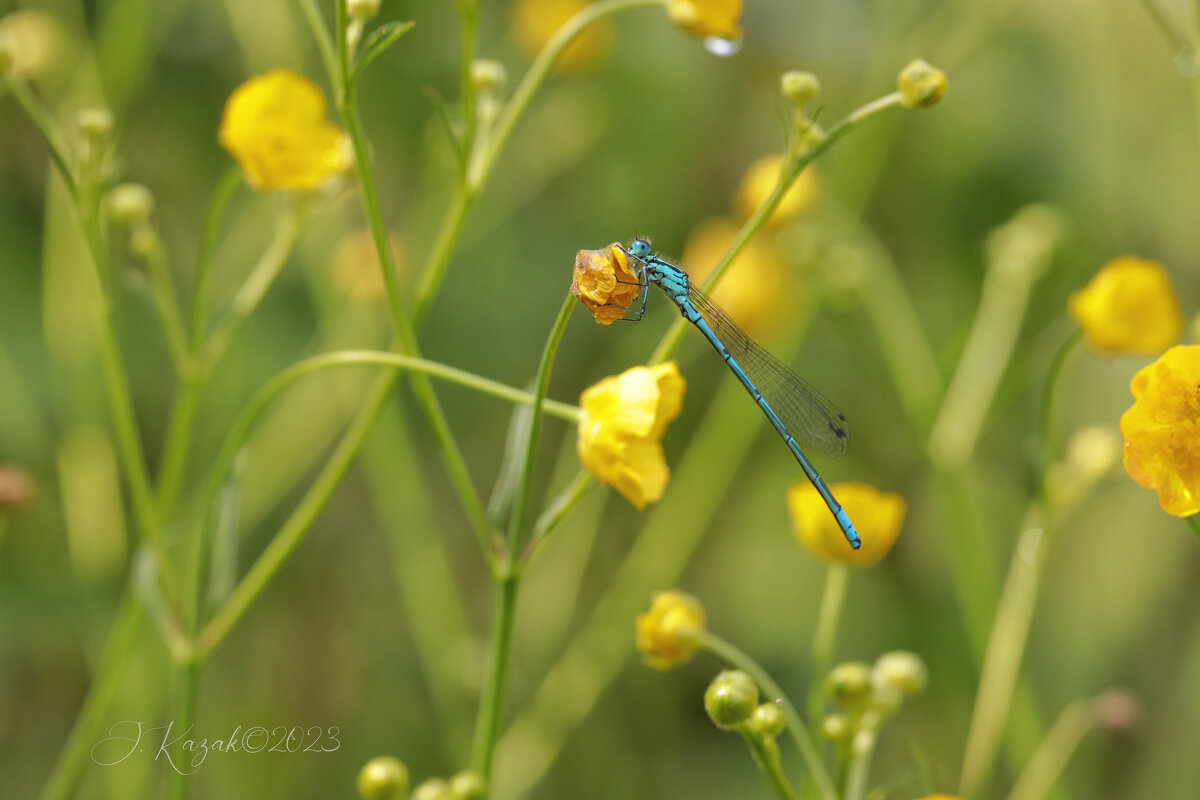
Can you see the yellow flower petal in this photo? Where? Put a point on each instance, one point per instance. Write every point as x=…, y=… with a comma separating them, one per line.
x=1129, y=307
x=760, y=180
x=275, y=126
x=878, y=517
x=704, y=18
x=622, y=424
x=672, y=630
x=756, y=291
x=1162, y=430
x=536, y=21
x=604, y=283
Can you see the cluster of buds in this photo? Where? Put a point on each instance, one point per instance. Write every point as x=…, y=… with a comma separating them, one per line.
x=869, y=695
x=386, y=778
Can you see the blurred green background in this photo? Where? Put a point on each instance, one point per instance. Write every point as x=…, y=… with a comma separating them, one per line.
x=1073, y=103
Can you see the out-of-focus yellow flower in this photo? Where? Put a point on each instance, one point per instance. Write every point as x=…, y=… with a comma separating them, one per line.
x=356, y=271
x=877, y=515
x=704, y=18
x=35, y=38
x=604, y=283
x=756, y=289
x=275, y=125
x=761, y=179
x=621, y=429
x=1129, y=307
x=536, y=21
x=671, y=632
x=1162, y=430
x=942, y=797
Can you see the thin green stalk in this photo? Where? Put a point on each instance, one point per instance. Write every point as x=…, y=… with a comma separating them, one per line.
x=184, y=718
x=766, y=755
x=324, y=43
x=468, y=18
x=559, y=509
x=829, y=612
x=40, y=117
x=1005, y=651
x=166, y=300
x=226, y=186
x=1046, y=766
x=862, y=749
x=86, y=731
x=1049, y=392
x=736, y=658
x=341, y=79
x=297, y=524
x=516, y=528
x=491, y=707
x=794, y=165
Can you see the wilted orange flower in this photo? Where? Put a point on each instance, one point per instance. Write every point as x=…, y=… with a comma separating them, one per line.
x=621, y=429
x=1162, y=430
x=1129, y=307
x=536, y=21
x=275, y=126
x=672, y=630
x=878, y=517
x=604, y=283
x=705, y=18
x=760, y=180
x=756, y=289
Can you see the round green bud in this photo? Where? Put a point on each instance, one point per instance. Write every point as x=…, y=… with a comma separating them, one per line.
x=130, y=203
x=849, y=684
x=799, y=87
x=8, y=52
x=468, y=785
x=143, y=241
x=363, y=10
x=731, y=698
x=433, y=789
x=837, y=728
x=383, y=778
x=768, y=720
x=97, y=123
x=921, y=85
x=902, y=671
x=885, y=701
x=489, y=76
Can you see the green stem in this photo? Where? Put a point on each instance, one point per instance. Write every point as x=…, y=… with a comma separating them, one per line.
x=341, y=79
x=183, y=719
x=796, y=162
x=166, y=300
x=40, y=117
x=516, y=528
x=766, y=755
x=293, y=530
x=861, y=751
x=830, y=611
x=736, y=658
x=324, y=43
x=559, y=509
x=1049, y=392
x=491, y=709
x=86, y=731
x=226, y=186
x=468, y=17
x=1046, y=766
x=1193, y=523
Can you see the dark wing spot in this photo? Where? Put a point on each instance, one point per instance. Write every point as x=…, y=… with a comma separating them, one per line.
x=838, y=432
x=841, y=416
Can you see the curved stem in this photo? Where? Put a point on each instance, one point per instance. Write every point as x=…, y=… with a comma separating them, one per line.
x=798, y=159
x=836, y=576
x=558, y=509
x=766, y=755
x=41, y=119
x=735, y=657
x=861, y=751
x=1049, y=392
x=491, y=705
x=1044, y=769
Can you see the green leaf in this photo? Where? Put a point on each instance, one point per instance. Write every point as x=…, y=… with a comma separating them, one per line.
x=376, y=42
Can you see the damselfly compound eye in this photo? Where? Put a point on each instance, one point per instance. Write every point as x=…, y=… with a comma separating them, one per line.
x=639, y=248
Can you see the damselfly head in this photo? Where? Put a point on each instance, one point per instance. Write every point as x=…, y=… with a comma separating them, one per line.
x=640, y=248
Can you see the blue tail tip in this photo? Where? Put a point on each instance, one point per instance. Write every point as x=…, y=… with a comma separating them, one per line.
x=848, y=528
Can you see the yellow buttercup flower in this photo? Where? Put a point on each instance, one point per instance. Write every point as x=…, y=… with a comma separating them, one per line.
x=704, y=18
x=761, y=178
x=621, y=429
x=604, y=283
x=536, y=21
x=275, y=126
x=1129, y=307
x=941, y=797
x=1162, y=430
x=756, y=289
x=672, y=630
x=877, y=515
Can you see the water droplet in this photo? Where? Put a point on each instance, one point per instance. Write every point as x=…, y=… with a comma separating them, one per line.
x=720, y=46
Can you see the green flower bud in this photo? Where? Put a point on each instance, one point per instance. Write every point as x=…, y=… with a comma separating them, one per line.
x=489, y=76
x=383, y=778
x=885, y=701
x=837, y=728
x=143, y=241
x=730, y=699
x=433, y=789
x=8, y=52
x=768, y=720
x=363, y=10
x=921, y=85
x=97, y=123
x=849, y=684
x=900, y=670
x=468, y=785
x=130, y=203
x=799, y=87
